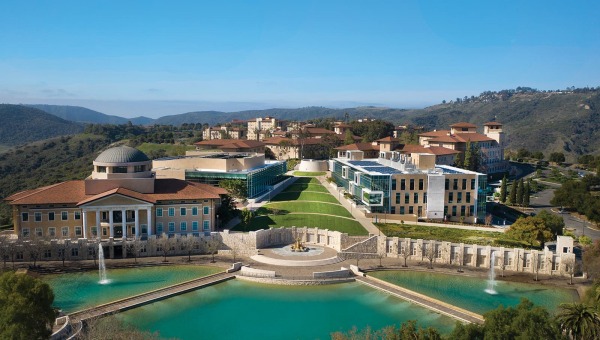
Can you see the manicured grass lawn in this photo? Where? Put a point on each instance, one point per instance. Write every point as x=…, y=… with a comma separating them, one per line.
x=305, y=196
x=311, y=174
x=307, y=180
x=299, y=220
x=448, y=234
x=299, y=206
x=307, y=187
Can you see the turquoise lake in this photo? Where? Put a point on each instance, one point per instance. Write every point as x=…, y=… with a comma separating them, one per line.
x=238, y=309
x=468, y=292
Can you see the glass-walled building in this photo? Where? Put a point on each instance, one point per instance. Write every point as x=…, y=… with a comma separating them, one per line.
x=412, y=187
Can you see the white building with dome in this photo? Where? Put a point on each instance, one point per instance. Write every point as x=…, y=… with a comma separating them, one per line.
x=121, y=199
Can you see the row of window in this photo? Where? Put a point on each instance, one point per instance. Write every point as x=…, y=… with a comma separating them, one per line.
x=459, y=197
x=463, y=184
x=463, y=210
x=407, y=195
x=51, y=215
x=182, y=211
x=411, y=184
x=183, y=226
x=52, y=231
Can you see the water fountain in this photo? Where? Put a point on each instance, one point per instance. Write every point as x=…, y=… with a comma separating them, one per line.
x=102, y=266
x=491, y=284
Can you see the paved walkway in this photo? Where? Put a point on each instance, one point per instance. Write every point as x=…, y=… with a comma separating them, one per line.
x=422, y=300
x=356, y=213
x=148, y=297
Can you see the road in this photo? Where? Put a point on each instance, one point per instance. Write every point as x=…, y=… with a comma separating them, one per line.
x=541, y=201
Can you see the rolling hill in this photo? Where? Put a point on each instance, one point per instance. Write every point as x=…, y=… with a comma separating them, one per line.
x=22, y=124
x=85, y=115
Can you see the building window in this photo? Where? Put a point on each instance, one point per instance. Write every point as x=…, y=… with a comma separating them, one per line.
x=183, y=226
x=401, y=210
x=419, y=211
x=139, y=168
x=406, y=198
x=412, y=184
x=206, y=210
x=75, y=252
x=52, y=231
x=25, y=232
x=402, y=184
x=37, y=216
x=171, y=212
x=158, y=212
x=421, y=184
x=464, y=184
x=447, y=184
x=64, y=215
x=64, y=231
x=473, y=184
x=450, y=197
x=468, y=198
x=206, y=225
x=453, y=210
x=159, y=228
x=25, y=217
x=94, y=231
x=424, y=197
x=411, y=210
x=472, y=210
x=78, y=215
x=194, y=211
x=459, y=197
x=101, y=169
x=462, y=211
x=77, y=231
x=416, y=198
x=182, y=211
x=397, y=198
x=455, y=185
x=119, y=169
x=38, y=232
x=51, y=216
x=393, y=209
x=195, y=226
x=47, y=253
x=171, y=227
x=393, y=184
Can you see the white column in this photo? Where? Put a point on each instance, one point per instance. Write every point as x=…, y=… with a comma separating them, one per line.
x=98, y=229
x=84, y=223
x=110, y=223
x=137, y=222
x=124, y=222
x=149, y=215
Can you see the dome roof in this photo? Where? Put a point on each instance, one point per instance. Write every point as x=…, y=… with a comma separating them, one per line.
x=122, y=154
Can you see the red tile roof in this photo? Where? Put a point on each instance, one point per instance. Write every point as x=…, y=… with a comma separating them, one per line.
x=359, y=146
x=314, y=131
x=388, y=140
x=73, y=192
x=463, y=125
x=492, y=123
x=434, y=150
x=231, y=143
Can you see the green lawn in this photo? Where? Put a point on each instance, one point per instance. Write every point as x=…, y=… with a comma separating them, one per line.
x=448, y=234
x=351, y=227
x=309, y=174
x=307, y=180
x=307, y=187
x=305, y=196
x=299, y=206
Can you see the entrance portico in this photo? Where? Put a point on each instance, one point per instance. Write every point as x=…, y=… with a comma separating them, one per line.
x=117, y=216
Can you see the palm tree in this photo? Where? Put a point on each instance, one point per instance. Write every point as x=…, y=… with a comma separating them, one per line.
x=579, y=320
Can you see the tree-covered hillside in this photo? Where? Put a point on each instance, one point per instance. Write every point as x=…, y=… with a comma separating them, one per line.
x=22, y=124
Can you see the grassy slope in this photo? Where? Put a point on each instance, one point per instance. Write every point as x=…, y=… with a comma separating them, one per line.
x=299, y=206
x=323, y=222
x=305, y=196
x=170, y=149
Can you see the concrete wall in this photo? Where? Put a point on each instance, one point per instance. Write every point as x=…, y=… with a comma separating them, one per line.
x=312, y=165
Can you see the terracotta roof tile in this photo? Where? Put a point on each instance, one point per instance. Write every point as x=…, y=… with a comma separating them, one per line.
x=492, y=123
x=359, y=146
x=463, y=125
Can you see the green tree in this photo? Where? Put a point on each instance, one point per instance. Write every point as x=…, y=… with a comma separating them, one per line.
x=591, y=260
x=557, y=157
x=520, y=191
x=236, y=187
x=532, y=230
x=579, y=320
x=25, y=307
x=348, y=137
x=526, y=194
x=513, y=193
x=503, y=190
x=554, y=222
x=227, y=210
x=247, y=216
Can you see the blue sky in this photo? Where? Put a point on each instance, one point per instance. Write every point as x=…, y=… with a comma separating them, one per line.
x=162, y=57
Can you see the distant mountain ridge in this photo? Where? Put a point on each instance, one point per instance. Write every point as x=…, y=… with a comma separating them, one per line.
x=84, y=115
x=22, y=124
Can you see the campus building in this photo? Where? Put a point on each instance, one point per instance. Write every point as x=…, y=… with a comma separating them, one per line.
x=122, y=198
x=258, y=174
x=223, y=132
x=411, y=186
